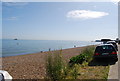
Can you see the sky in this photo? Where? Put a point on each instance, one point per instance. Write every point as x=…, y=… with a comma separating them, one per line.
x=115, y=1
x=119, y=20
x=0, y=20
x=85, y=21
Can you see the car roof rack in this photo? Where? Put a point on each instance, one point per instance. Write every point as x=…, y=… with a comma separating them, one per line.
x=105, y=40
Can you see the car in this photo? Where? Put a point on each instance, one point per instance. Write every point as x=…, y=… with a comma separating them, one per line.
x=114, y=44
x=5, y=76
x=105, y=40
x=105, y=51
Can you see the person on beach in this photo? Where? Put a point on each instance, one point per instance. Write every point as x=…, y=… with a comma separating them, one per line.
x=74, y=46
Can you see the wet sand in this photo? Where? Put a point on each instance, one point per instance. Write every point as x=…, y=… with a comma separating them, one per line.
x=32, y=66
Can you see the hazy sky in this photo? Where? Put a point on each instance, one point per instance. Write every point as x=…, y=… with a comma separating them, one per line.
x=84, y=21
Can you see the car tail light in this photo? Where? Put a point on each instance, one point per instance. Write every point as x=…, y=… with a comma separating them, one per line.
x=97, y=54
x=114, y=53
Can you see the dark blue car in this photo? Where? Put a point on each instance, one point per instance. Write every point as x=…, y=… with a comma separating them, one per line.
x=105, y=51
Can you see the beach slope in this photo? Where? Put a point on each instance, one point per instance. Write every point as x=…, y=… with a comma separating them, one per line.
x=32, y=66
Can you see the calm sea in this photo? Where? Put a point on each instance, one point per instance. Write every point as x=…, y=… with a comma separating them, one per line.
x=20, y=47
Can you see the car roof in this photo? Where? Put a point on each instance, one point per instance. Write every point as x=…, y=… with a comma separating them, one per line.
x=111, y=42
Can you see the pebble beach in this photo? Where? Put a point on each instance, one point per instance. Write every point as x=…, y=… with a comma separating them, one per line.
x=32, y=66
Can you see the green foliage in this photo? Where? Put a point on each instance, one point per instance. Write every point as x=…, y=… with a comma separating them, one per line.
x=75, y=71
x=78, y=59
x=86, y=55
x=54, y=66
x=88, y=52
x=57, y=69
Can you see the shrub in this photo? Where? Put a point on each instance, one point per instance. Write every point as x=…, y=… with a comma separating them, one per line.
x=86, y=55
x=54, y=66
x=78, y=59
x=57, y=69
x=88, y=52
x=75, y=71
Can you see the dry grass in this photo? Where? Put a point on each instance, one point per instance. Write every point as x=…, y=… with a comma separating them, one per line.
x=94, y=72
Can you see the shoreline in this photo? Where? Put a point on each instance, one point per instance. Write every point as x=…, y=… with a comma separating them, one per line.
x=21, y=47
x=44, y=51
x=32, y=66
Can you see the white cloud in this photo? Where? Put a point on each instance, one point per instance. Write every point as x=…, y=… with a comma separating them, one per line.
x=11, y=18
x=85, y=14
x=7, y=0
x=94, y=6
x=115, y=1
x=15, y=3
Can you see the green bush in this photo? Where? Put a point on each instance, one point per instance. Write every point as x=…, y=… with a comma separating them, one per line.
x=54, y=66
x=88, y=52
x=57, y=69
x=75, y=71
x=86, y=55
x=78, y=59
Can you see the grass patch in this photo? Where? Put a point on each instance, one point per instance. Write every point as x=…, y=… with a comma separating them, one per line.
x=94, y=72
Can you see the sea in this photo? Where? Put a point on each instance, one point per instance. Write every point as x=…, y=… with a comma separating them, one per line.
x=10, y=47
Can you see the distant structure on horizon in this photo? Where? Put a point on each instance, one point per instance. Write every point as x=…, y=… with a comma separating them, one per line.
x=15, y=39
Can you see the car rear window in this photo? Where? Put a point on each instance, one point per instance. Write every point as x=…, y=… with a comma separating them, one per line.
x=105, y=47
